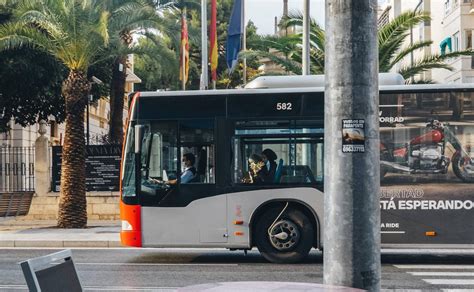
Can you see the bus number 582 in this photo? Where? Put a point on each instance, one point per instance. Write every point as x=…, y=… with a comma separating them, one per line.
x=284, y=106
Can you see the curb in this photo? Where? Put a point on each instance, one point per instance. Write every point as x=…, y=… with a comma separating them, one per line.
x=60, y=243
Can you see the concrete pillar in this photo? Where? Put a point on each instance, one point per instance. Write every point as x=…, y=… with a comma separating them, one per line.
x=351, y=149
x=42, y=162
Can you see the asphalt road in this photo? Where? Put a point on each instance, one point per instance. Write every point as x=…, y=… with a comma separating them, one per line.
x=169, y=269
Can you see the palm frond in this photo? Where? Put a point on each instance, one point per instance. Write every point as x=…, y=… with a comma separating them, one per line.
x=288, y=64
x=72, y=31
x=403, y=53
x=392, y=35
x=420, y=66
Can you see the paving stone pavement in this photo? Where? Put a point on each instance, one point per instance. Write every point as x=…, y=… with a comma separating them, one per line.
x=18, y=232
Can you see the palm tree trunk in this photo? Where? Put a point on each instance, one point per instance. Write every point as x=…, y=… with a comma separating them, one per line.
x=116, y=100
x=72, y=204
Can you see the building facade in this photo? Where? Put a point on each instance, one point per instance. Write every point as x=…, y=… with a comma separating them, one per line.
x=451, y=29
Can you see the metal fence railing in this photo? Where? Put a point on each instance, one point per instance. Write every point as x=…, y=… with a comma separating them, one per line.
x=17, y=171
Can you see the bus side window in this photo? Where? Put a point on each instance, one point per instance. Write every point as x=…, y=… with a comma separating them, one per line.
x=197, y=138
x=291, y=155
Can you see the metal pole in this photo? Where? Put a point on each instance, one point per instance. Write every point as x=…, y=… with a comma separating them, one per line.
x=306, y=31
x=204, y=57
x=352, y=165
x=412, y=59
x=244, y=43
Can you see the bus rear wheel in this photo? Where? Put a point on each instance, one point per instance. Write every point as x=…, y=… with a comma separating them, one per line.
x=286, y=240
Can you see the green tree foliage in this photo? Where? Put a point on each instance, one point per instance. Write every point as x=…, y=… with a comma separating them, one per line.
x=393, y=48
x=30, y=87
x=154, y=66
x=42, y=74
x=126, y=18
x=73, y=32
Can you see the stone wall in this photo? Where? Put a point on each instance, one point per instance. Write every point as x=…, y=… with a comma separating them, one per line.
x=100, y=206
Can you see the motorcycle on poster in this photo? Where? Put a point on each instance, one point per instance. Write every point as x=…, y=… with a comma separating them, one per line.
x=426, y=154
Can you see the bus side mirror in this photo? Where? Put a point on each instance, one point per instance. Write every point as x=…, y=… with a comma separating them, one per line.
x=139, y=132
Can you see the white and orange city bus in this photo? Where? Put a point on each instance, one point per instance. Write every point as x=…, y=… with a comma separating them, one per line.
x=426, y=165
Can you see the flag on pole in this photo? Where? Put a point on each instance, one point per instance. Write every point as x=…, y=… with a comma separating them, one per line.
x=213, y=38
x=234, y=34
x=184, y=50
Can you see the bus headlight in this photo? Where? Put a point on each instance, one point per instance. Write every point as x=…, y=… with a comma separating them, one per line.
x=126, y=226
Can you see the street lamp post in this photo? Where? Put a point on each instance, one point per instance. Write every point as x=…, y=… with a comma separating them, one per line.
x=306, y=32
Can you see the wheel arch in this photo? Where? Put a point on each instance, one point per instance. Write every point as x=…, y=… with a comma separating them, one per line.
x=292, y=203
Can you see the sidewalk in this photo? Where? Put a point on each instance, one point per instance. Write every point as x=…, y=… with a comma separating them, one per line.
x=43, y=233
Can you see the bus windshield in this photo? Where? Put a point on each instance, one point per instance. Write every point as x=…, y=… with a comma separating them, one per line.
x=128, y=165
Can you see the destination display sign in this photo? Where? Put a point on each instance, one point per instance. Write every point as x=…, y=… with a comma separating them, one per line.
x=102, y=167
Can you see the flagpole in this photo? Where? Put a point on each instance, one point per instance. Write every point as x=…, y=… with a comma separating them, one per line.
x=204, y=57
x=183, y=65
x=213, y=48
x=244, y=43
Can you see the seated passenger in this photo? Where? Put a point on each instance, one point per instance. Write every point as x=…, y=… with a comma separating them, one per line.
x=257, y=170
x=269, y=157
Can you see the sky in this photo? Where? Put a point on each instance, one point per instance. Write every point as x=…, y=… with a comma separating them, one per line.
x=263, y=12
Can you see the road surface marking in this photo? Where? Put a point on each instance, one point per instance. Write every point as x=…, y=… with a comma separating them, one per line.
x=151, y=264
x=450, y=281
x=393, y=232
x=460, y=274
x=125, y=288
x=14, y=287
x=436, y=267
x=101, y=288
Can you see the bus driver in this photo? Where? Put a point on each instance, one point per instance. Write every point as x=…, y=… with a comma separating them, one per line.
x=189, y=173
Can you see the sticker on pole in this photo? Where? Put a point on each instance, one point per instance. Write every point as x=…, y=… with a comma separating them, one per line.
x=353, y=136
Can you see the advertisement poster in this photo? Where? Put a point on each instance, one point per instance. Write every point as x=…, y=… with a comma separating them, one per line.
x=353, y=136
x=427, y=167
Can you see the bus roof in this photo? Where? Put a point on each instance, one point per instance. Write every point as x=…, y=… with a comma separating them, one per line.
x=421, y=88
x=299, y=81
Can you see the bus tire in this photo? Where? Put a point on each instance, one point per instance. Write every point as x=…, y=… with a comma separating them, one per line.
x=294, y=239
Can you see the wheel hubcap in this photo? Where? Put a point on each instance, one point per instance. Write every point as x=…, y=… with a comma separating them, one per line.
x=284, y=235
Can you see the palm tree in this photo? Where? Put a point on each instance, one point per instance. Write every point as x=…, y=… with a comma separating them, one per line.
x=280, y=50
x=126, y=17
x=391, y=38
x=74, y=32
x=153, y=63
x=391, y=41
x=140, y=17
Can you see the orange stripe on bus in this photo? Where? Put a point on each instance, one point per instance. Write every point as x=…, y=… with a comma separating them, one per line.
x=132, y=214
